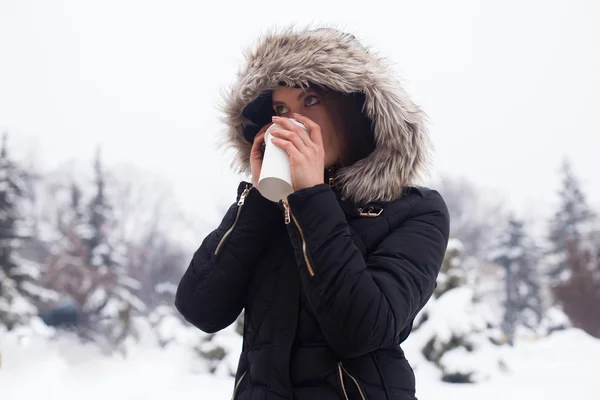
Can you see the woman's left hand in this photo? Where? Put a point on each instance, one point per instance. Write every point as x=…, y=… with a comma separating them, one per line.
x=307, y=155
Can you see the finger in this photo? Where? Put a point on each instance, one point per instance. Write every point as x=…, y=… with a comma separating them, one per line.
x=264, y=128
x=261, y=134
x=289, y=125
x=289, y=147
x=292, y=137
x=312, y=127
x=259, y=139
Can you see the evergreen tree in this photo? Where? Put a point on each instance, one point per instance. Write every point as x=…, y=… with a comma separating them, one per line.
x=90, y=265
x=457, y=330
x=568, y=225
x=106, y=256
x=19, y=291
x=69, y=271
x=516, y=254
x=99, y=218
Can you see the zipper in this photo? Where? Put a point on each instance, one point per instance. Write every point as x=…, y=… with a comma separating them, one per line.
x=341, y=375
x=341, y=372
x=237, y=385
x=289, y=216
x=240, y=205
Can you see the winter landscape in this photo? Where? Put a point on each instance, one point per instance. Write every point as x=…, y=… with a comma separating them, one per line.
x=87, y=294
x=109, y=181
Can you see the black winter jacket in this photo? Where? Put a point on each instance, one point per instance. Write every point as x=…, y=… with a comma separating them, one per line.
x=328, y=297
x=331, y=280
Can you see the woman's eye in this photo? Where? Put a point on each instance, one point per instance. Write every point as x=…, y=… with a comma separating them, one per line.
x=311, y=100
x=280, y=110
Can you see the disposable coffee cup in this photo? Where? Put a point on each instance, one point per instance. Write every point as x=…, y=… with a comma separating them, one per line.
x=275, y=180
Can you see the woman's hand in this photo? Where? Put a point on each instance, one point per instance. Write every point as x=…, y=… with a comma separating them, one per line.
x=307, y=155
x=257, y=153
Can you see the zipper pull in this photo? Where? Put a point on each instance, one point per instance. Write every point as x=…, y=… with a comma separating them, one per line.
x=286, y=207
x=243, y=196
x=331, y=181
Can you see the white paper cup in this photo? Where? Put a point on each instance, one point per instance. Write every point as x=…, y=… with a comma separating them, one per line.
x=275, y=180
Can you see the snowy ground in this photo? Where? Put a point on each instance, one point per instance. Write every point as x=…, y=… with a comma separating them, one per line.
x=564, y=365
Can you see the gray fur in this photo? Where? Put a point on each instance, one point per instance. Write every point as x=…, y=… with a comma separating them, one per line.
x=338, y=61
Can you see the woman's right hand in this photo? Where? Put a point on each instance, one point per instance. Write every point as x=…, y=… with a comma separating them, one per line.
x=257, y=153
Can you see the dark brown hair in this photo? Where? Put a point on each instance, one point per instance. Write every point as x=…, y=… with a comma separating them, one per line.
x=353, y=129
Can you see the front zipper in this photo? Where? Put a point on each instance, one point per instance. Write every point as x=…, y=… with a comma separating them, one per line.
x=341, y=372
x=289, y=216
x=239, y=210
x=237, y=386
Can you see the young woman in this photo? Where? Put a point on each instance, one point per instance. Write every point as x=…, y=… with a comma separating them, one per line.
x=331, y=278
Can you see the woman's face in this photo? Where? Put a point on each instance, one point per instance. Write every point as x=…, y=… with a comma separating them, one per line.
x=287, y=101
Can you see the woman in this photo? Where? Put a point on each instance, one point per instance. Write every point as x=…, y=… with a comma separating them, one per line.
x=331, y=278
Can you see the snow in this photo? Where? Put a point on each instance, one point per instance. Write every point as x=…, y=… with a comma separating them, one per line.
x=39, y=292
x=166, y=288
x=37, y=365
x=26, y=268
x=20, y=306
x=457, y=333
x=455, y=245
x=455, y=314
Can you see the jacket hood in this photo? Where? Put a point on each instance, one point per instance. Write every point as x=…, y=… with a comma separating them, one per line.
x=335, y=60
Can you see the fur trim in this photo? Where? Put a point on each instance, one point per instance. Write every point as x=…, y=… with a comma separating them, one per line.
x=337, y=61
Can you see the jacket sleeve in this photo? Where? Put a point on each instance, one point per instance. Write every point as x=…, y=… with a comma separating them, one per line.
x=212, y=291
x=364, y=305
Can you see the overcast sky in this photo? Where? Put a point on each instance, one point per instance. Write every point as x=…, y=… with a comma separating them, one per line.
x=509, y=87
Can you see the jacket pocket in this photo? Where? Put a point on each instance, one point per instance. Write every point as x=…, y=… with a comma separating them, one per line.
x=240, y=205
x=343, y=373
x=237, y=385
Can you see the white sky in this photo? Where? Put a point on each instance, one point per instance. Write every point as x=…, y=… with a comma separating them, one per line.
x=510, y=87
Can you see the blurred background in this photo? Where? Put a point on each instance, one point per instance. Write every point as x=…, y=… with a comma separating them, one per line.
x=110, y=177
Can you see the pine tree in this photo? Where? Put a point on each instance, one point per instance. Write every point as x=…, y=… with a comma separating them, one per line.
x=569, y=224
x=19, y=292
x=99, y=218
x=108, y=257
x=516, y=254
x=90, y=265
x=69, y=271
x=456, y=329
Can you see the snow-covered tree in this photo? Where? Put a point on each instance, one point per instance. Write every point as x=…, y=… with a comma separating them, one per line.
x=89, y=263
x=452, y=273
x=459, y=337
x=67, y=270
x=570, y=223
x=19, y=291
x=456, y=331
x=108, y=255
x=518, y=256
